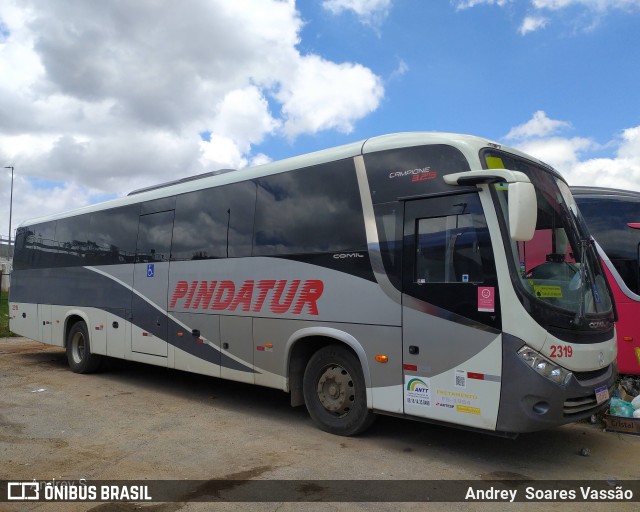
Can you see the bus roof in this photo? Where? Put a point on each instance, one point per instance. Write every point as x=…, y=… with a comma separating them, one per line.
x=469, y=145
x=604, y=192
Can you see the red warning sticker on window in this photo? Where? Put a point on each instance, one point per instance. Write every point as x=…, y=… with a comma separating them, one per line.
x=486, y=299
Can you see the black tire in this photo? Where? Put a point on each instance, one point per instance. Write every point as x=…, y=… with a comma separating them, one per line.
x=335, y=393
x=79, y=355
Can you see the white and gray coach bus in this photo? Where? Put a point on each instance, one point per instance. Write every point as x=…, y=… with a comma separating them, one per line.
x=385, y=276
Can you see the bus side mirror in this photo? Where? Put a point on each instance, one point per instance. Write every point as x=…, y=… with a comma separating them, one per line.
x=523, y=205
x=523, y=211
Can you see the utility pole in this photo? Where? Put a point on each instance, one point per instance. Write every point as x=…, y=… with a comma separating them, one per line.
x=10, y=208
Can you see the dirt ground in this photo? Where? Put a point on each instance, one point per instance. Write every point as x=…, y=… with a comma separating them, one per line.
x=141, y=422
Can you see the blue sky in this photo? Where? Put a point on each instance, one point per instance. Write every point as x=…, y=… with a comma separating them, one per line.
x=472, y=70
x=100, y=98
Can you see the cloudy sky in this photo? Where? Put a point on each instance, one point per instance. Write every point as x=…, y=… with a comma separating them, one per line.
x=100, y=98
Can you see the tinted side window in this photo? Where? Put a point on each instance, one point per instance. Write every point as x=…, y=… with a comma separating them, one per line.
x=35, y=246
x=105, y=237
x=73, y=236
x=158, y=205
x=113, y=236
x=214, y=223
x=101, y=238
x=389, y=221
x=453, y=249
x=310, y=210
x=154, y=237
x=21, y=248
x=607, y=220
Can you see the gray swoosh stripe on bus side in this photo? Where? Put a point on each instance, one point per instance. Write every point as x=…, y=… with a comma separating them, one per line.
x=90, y=285
x=431, y=309
x=199, y=350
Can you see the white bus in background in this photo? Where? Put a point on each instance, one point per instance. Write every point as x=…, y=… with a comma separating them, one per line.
x=387, y=276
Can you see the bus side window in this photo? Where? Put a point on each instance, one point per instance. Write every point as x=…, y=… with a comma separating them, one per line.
x=154, y=237
x=303, y=212
x=430, y=250
x=448, y=250
x=607, y=219
x=44, y=247
x=214, y=222
x=23, y=250
x=389, y=221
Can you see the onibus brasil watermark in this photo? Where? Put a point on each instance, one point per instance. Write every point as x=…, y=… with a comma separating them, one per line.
x=75, y=490
x=83, y=490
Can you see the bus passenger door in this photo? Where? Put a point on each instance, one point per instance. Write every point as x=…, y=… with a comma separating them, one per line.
x=149, y=320
x=448, y=332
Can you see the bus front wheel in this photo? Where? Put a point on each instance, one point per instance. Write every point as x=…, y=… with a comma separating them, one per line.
x=79, y=355
x=335, y=392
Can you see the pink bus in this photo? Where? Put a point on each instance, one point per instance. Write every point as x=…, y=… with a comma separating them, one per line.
x=613, y=218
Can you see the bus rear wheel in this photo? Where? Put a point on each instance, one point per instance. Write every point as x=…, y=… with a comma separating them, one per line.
x=335, y=392
x=79, y=355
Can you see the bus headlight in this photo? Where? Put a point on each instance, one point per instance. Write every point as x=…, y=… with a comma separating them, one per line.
x=544, y=366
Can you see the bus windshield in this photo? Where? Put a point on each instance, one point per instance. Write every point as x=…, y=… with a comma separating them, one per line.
x=558, y=267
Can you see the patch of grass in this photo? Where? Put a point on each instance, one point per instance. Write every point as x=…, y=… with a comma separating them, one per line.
x=4, y=316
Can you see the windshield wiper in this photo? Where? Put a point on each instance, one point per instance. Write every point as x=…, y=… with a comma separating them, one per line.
x=583, y=274
x=585, y=244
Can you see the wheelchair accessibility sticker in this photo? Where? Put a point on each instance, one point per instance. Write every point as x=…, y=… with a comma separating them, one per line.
x=150, y=270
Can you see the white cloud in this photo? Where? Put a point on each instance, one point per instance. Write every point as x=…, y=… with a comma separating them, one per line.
x=370, y=12
x=105, y=97
x=552, y=4
x=538, y=126
x=243, y=116
x=573, y=156
x=593, y=11
x=321, y=95
x=532, y=23
x=15, y=147
x=630, y=144
x=536, y=19
x=221, y=152
x=599, y=5
x=562, y=153
x=468, y=4
x=402, y=69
